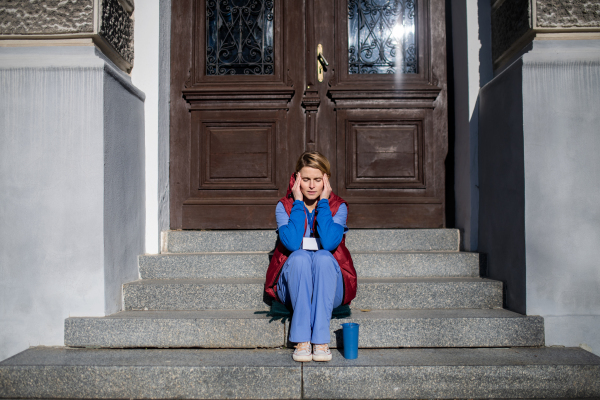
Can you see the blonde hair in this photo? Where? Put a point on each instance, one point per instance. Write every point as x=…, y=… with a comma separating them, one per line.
x=314, y=159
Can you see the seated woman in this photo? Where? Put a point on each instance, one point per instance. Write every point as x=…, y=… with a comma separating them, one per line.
x=311, y=270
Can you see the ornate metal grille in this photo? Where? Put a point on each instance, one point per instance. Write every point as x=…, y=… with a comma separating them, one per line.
x=381, y=37
x=239, y=37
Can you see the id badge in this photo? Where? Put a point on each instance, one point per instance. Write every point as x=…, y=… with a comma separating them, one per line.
x=310, y=243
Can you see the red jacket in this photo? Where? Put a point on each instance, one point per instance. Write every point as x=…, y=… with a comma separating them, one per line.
x=341, y=253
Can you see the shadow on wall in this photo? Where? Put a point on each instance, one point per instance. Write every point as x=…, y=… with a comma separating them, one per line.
x=501, y=184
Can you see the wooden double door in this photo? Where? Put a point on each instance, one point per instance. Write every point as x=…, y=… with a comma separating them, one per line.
x=254, y=83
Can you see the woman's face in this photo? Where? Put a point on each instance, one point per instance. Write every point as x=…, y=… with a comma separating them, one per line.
x=311, y=184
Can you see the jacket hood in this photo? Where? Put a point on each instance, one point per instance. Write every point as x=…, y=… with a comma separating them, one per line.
x=292, y=181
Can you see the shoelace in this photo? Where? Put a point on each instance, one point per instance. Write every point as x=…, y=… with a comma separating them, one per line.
x=304, y=346
x=322, y=347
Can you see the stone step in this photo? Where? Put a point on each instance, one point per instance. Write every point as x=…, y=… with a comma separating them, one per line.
x=403, y=240
x=373, y=293
x=442, y=328
x=194, y=294
x=254, y=265
x=208, y=329
x=427, y=293
x=158, y=374
x=356, y=240
x=247, y=329
x=455, y=373
x=271, y=374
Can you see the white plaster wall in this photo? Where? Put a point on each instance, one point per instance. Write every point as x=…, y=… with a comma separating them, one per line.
x=561, y=94
x=64, y=250
x=51, y=172
x=145, y=76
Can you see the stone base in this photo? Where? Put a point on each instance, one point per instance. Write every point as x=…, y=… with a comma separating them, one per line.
x=272, y=374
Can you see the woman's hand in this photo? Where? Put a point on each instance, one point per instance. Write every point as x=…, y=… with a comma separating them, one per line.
x=296, y=188
x=326, y=188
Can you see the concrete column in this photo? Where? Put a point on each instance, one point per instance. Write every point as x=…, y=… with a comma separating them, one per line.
x=72, y=190
x=538, y=163
x=539, y=187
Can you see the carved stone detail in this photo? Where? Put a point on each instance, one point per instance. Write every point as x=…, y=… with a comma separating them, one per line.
x=46, y=17
x=567, y=13
x=128, y=5
x=117, y=28
x=67, y=19
x=513, y=24
x=510, y=21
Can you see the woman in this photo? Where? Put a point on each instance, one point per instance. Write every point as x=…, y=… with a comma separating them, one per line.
x=311, y=269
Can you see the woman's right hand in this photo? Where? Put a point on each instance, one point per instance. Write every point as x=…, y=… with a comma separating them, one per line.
x=296, y=188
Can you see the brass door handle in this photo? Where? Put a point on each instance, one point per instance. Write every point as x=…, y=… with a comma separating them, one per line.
x=322, y=60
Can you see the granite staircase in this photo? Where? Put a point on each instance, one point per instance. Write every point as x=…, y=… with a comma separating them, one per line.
x=194, y=326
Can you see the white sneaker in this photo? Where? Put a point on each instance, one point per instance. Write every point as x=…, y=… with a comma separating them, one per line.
x=303, y=352
x=321, y=352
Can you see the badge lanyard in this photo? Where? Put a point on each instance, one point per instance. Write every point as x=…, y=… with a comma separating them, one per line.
x=311, y=221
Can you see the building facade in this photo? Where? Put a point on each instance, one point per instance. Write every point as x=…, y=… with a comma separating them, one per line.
x=99, y=94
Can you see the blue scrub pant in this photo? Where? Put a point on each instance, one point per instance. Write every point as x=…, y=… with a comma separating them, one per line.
x=311, y=282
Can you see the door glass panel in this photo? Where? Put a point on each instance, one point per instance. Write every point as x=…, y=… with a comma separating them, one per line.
x=239, y=37
x=381, y=37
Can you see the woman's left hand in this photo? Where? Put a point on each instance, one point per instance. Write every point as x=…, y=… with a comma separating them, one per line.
x=326, y=188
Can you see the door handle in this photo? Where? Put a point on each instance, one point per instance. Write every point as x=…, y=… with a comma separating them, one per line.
x=322, y=60
x=321, y=63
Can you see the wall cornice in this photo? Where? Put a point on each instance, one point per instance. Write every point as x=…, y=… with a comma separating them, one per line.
x=516, y=23
x=108, y=23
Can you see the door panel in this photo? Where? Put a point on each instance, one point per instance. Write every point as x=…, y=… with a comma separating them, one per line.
x=386, y=163
x=405, y=142
x=237, y=150
x=242, y=115
x=237, y=159
x=384, y=153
